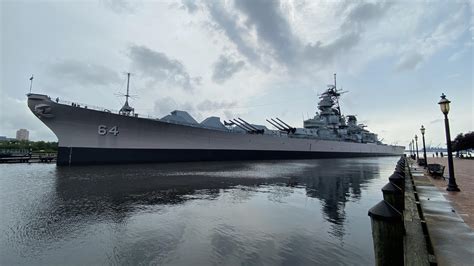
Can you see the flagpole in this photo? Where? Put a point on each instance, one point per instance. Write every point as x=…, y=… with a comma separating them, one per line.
x=31, y=82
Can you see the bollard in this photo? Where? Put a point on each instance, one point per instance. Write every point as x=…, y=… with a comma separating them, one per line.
x=393, y=195
x=398, y=179
x=402, y=164
x=387, y=234
x=400, y=171
x=402, y=167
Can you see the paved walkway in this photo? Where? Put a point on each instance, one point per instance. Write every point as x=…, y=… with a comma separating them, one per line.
x=463, y=202
x=445, y=213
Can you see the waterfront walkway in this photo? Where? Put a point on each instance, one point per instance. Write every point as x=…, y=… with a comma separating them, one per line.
x=449, y=216
x=463, y=202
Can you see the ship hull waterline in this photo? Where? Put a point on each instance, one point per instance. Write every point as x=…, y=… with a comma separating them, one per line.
x=90, y=156
x=129, y=139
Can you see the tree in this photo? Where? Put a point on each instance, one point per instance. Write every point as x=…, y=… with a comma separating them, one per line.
x=463, y=142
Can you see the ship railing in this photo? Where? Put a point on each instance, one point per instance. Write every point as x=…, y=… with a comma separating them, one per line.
x=98, y=108
x=102, y=109
x=85, y=106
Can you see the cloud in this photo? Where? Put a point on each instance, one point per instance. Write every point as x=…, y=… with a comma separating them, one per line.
x=436, y=121
x=357, y=17
x=262, y=33
x=208, y=105
x=325, y=53
x=409, y=61
x=271, y=26
x=158, y=67
x=83, y=73
x=228, y=23
x=426, y=44
x=225, y=67
x=164, y=106
x=121, y=6
x=453, y=76
x=360, y=13
x=190, y=5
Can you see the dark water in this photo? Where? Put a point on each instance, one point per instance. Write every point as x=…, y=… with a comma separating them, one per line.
x=251, y=213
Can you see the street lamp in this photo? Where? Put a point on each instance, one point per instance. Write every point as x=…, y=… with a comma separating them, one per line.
x=409, y=145
x=416, y=141
x=444, y=105
x=422, y=129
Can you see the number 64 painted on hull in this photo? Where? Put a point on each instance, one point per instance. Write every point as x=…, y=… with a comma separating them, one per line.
x=103, y=130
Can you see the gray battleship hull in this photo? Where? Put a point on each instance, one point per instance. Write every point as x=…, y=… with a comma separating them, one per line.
x=88, y=136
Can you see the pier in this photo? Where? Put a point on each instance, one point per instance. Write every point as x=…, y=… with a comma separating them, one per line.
x=448, y=215
x=437, y=224
x=33, y=158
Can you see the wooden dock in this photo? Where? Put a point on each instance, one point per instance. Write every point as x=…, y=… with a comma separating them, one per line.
x=34, y=158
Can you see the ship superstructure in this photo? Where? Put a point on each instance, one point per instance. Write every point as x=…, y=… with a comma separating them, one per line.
x=89, y=135
x=329, y=122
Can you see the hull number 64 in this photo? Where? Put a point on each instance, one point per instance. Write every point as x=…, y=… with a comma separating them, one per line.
x=103, y=130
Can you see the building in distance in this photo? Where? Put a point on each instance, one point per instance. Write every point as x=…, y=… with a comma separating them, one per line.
x=22, y=134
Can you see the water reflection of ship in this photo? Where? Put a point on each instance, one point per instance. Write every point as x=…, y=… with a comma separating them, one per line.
x=85, y=195
x=336, y=184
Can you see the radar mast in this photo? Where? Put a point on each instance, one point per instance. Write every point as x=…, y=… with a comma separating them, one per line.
x=127, y=109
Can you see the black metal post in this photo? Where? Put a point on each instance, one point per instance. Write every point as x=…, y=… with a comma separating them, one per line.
x=452, y=186
x=424, y=150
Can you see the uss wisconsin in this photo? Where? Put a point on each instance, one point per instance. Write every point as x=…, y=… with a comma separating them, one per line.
x=89, y=135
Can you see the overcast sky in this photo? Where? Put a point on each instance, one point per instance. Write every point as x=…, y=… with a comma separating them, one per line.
x=250, y=59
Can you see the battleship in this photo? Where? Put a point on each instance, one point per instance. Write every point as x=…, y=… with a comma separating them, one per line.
x=92, y=135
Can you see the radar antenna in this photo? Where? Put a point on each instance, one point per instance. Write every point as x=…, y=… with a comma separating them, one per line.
x=335, y=94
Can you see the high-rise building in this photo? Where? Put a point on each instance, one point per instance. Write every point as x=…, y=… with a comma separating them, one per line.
x=22, y=134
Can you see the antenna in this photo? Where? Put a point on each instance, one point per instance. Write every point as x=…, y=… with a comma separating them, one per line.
x=335, y=87
x=126, y=109
x=128, y=87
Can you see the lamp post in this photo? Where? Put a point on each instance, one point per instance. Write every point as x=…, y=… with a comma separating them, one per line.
x=422, y=129
x=413, y=147
x=444, y=105
x=409, y=145
x=416, y=142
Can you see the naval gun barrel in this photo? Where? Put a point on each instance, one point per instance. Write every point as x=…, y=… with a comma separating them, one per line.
x=285, y=128
x=247, y=124
x=292, y=129
x=241, y=126
x=255, y=130
x=284, y=123
x=279, y=128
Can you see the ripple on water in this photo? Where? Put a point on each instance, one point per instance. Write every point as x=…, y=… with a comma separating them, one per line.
x=279, y=212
